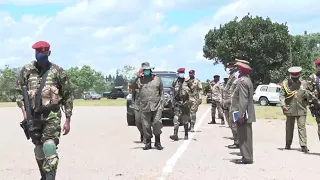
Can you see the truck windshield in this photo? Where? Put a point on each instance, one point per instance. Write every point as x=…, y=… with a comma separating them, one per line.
x=167, y=80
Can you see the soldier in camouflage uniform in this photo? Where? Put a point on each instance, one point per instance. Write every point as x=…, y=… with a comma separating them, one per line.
x=181, y=99
x=136, y=105
x=207, y=88
x=216, y=101
x=195, y=100
x=314, y=91
x=151, y=105
x=226, y=100
x=294, y=101
x=50, y=83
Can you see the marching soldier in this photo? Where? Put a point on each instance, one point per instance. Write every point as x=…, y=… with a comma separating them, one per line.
x=216, y=101
x=314, y=89
x=195, y=100
x=181, y=100
x=243, y=98
x=151, y=105
x=294, y=101
x=49, y=88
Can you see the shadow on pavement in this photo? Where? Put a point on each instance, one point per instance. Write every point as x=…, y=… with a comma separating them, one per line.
x=235, y=153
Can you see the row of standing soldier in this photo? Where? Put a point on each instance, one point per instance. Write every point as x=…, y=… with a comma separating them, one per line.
x=235, y=94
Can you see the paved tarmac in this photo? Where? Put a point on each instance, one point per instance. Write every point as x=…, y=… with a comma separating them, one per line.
x=101, y=146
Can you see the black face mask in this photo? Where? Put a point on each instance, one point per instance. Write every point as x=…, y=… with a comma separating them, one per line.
x=191, y=76
x=295, y=79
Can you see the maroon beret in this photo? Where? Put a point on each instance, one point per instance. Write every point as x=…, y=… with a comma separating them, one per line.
x=41, y=46
x=192, y=71
x=181, y=70
x=317, y=62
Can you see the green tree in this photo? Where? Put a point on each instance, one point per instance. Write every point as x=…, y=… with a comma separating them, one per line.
x=265, y=44
x=8, y=77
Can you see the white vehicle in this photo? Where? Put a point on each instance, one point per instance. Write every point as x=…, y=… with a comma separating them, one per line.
x=268, y=94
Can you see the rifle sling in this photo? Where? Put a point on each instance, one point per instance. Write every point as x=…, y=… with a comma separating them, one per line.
x=39, y=92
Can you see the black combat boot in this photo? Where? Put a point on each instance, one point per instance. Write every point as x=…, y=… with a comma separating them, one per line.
x=213, y=120
x=175, y=135
x=157, y=144
x=51, y=175
x=222, y=121
x=186, y=132
x=304, y=149
x=42, y=173
x=147, y=145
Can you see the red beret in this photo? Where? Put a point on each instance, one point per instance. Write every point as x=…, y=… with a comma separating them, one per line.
x=243, y=67
x=41, y=46
x=181, y=70
x=317, y=62
x=192, y=71
x=216, y=76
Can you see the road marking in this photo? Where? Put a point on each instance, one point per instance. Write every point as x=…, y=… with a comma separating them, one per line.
x=173, y=160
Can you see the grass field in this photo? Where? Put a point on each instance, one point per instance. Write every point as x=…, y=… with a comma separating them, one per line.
x=81, y=102
x=262, y=112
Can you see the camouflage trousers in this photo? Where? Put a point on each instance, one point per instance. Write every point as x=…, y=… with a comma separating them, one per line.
x=216, y=105
x=181, y=114
x=51, y=131
x=194, y=105
x=318, y=123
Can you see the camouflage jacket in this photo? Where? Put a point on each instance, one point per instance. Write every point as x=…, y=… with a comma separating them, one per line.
x=181, y=92
x=217, y=92
x=57, y=89
x=313, y=87
x=195, y=88
x=151, y=96
x=294, y=97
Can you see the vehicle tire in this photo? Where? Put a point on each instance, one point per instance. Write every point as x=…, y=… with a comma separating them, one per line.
x=263, y=101
x=272, y=104
x=130, y=120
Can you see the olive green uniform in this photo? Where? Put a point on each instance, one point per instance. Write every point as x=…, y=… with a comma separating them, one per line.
x=243, y=97
x=294, y=101
x=231, y=85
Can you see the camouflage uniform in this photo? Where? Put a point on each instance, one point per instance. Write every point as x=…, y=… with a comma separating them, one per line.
x=56, y=92
x=226, y=102
x=181, y=102
x=313, y=88
x=216, y=102
x=195, y=100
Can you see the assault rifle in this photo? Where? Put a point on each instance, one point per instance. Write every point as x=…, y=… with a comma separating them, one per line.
x=28, y=122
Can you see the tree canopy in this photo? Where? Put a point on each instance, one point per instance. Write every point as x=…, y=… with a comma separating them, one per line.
x=82, y=79
x=267, y=45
